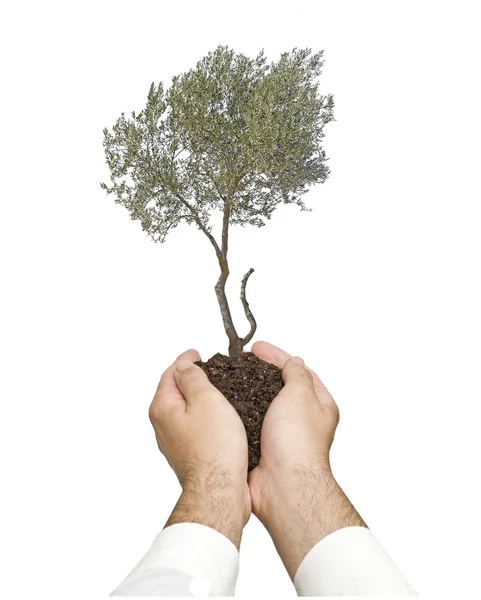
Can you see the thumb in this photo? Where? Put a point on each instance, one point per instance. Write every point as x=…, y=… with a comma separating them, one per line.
x=191, y=379
x=295, y=374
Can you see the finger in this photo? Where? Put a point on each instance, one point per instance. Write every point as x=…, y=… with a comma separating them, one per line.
x=270, y=353
x=192, y=381
x=167, y=390
x=295, y=375
x=278, y=357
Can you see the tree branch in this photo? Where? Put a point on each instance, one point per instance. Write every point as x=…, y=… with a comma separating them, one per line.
x=197, y=217
x=164, y=233
x=227, y=209
x=201, y=225
x=249, y=315
x=225, y=227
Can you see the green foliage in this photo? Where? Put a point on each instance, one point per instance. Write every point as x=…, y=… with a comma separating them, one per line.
x=231, y=130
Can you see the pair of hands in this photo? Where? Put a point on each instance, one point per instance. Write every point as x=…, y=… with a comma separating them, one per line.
x=292, y=491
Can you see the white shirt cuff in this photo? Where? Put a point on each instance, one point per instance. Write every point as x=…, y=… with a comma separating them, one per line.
x=350, y=562
x=185, y=556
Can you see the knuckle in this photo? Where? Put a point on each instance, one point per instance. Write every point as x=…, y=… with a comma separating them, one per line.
x=189, y=376
x=333, y=412
x=155, y=412
x=187, y=372
x=153, y=416
x=303, y=375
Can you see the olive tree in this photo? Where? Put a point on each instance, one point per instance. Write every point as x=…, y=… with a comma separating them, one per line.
x=234, y=135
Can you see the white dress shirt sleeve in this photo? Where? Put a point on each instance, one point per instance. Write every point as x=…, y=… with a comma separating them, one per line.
x=186, y=559
x=350, y=562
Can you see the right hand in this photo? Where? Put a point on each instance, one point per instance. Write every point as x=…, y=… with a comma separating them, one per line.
x=294, y=476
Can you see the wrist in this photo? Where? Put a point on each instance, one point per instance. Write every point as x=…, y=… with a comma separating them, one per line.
x=214, y=501
x=300, y=516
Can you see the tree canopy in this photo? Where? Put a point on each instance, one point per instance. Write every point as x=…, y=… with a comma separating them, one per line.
x=231, y=129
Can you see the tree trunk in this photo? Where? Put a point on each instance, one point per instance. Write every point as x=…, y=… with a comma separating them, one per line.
x=235, y=342
x=235, y=348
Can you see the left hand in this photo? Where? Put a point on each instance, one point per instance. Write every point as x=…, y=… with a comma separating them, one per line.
x=202, y=437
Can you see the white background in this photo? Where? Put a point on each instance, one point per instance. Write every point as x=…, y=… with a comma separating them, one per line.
x=377, y=289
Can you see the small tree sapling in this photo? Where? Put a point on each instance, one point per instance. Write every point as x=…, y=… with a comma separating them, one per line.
x=235, y=135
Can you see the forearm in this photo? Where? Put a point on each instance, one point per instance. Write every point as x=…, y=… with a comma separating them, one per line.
x=318, y=508
x=214, y=501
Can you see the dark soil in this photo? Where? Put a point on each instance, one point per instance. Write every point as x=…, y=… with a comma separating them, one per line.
x=249, y=384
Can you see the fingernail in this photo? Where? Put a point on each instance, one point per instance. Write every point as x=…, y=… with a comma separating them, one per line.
x=183, y=363
x=297, y=360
